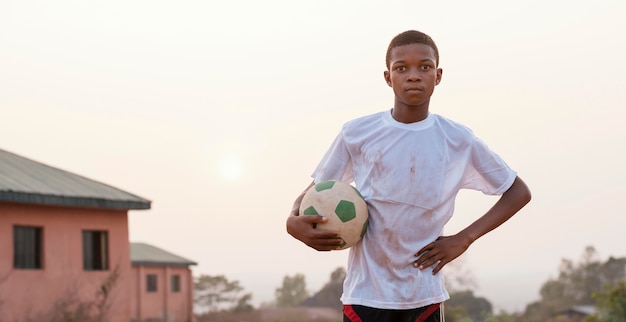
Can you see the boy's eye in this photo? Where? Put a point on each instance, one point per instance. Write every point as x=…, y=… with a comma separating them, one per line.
x=401, y=68
x=426, y=67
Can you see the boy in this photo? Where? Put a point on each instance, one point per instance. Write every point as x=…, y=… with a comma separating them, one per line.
x=409, y=165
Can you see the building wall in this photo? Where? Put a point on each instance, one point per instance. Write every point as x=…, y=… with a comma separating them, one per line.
x=36, y=294
x=163, y=303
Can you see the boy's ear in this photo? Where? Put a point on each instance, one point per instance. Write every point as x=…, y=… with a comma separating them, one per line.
x=439, y=74
x=387, y=77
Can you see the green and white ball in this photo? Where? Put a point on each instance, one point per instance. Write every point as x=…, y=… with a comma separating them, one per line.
x=344, y=207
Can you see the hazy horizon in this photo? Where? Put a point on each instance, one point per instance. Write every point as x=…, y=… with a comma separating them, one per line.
x=218, y=112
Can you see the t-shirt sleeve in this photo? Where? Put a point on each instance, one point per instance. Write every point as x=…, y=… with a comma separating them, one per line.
x=487, y=171
x=336, y=163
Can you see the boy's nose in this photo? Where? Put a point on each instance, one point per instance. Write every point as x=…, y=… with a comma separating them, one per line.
x=414, y=75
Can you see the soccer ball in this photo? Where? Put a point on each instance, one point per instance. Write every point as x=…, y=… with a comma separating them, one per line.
x=344, y=207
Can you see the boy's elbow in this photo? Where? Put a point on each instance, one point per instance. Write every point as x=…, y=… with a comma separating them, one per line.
x=523, y=192
x=527, y=196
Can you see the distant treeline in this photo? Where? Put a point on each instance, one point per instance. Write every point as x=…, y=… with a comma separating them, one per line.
x=590, y=290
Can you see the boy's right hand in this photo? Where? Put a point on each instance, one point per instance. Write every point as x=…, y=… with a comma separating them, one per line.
x=302, y=228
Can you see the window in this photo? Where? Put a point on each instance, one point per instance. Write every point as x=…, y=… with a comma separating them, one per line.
x=175, y=283
x=27, y=244
x=151, y=283
x=95, y=250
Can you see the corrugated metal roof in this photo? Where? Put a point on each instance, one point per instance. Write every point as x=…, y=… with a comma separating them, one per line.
x=26, y=181
x=584, y=309
x=144, y=254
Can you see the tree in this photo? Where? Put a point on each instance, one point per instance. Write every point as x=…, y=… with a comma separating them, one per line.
x=504, y=316
x=337, y=276
x=293, y=291
x=576, y=284
x=330, y=294
x=457, y=314
x=215, y=292
x=610, y=303
x=464, y=306
x=243, y=304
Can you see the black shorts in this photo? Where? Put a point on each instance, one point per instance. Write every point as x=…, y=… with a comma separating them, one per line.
x=359, y=313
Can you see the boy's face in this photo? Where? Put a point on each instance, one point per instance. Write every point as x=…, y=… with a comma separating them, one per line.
x=413, y=74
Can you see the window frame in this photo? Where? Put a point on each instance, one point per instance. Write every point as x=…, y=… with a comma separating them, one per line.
x=152, y=283
x=28, y=247
x=95, y=250
x=175, y=280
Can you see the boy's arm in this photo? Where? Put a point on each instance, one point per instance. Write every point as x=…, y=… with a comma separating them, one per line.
x=302, y=228
x=447, y=248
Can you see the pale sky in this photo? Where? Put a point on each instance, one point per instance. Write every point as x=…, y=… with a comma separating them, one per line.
x=218, y=111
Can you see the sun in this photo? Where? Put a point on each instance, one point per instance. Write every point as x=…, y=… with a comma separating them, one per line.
x=230, y=166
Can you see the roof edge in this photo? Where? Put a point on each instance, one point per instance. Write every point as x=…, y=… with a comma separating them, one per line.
x=161, y=263
x=90, y=202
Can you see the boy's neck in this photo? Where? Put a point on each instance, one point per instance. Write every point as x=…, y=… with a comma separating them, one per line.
x=409, y=114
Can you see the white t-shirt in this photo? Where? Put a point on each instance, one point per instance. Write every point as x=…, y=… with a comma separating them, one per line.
x=409, y=174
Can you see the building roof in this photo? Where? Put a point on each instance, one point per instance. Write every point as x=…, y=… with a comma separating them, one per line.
x=144, y=254
x=580, y=309
x=584, y=309
x=26, y=181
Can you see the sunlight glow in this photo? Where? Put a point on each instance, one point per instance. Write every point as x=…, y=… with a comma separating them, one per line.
x=230, y=166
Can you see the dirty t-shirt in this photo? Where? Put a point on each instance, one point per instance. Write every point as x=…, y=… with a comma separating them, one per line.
x=409, y=174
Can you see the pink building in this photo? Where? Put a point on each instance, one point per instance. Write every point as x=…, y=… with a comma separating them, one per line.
x=65, y=253
x=163, y=284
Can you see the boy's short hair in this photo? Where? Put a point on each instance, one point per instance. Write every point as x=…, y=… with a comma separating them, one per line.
x=411, y=37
